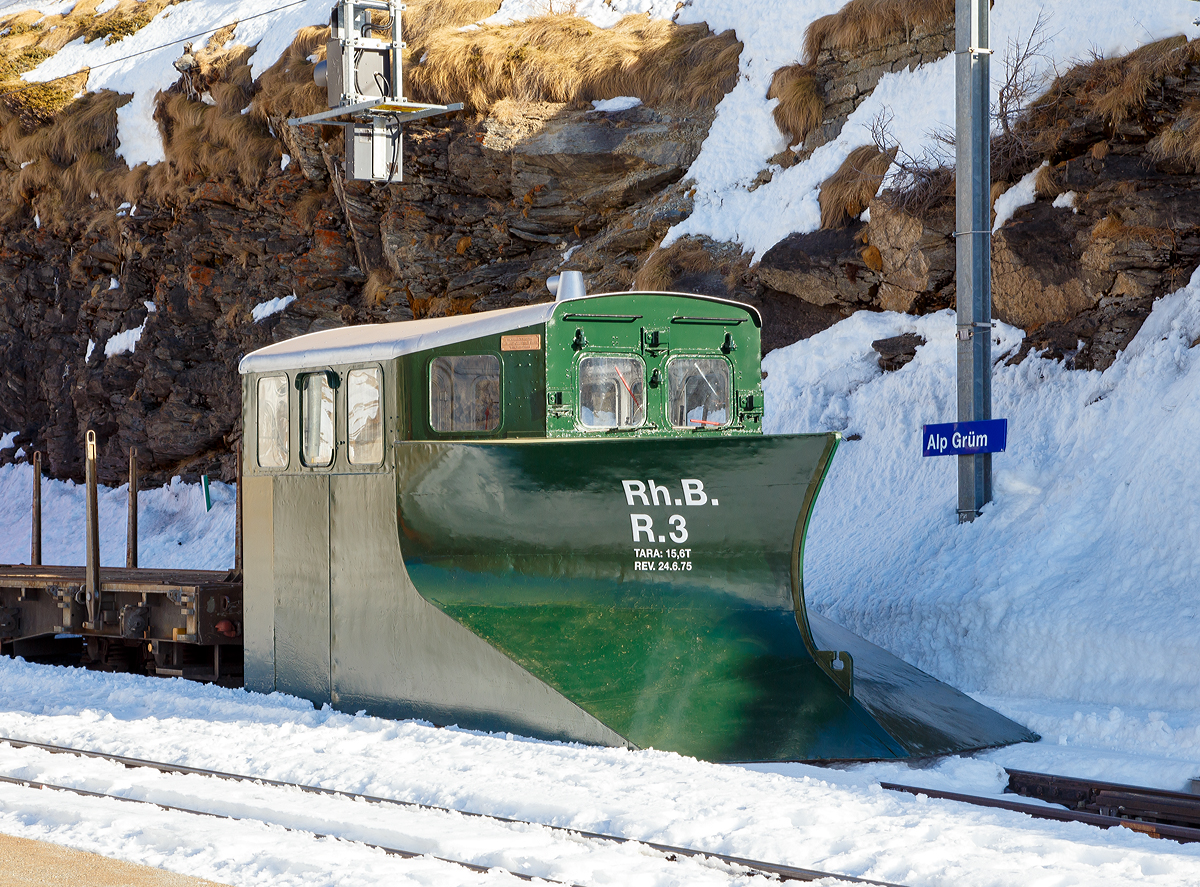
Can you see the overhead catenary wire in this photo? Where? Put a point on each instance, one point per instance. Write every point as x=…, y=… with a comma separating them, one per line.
x=140, y=52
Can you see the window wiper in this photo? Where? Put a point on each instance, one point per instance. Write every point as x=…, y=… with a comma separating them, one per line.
x=626, y=384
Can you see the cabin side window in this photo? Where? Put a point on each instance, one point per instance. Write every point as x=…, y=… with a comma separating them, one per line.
x=364, y=413
x=611, y=392
x=316, y=420
x=273, y=422
x=698, y=392
x=464, y=393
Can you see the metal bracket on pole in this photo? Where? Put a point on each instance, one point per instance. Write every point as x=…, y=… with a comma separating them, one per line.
x=363, y=75
x=973, y=242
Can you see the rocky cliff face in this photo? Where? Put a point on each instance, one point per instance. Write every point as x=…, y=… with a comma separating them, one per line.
x=486, y=212
x=1114, y=226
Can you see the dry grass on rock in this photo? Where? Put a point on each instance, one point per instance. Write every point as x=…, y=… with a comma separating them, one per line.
x=866, y=22
x=846, y=193
x=665, y=266
x=564, y=58
x=801, y=106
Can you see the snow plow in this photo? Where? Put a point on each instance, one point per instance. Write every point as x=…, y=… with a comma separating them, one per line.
x=562, y=520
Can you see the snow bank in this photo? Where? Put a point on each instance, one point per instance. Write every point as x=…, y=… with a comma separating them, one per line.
x=1080, y=581
x=174, y=530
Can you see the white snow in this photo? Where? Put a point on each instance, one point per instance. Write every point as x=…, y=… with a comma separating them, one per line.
x=272, y=306
x=125, y=341
x=1066, y=200
x=173, y=528
x=620, y=103
x=1021, y=194
x=106, y=6
x=604, y=13
x=7, y=439
x=37, y=220
x=284, y=161
x=90, y=348
x=113, y=283
x=150, y=307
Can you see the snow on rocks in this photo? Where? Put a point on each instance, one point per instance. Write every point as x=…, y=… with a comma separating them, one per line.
x=263, y=310
x=124, y=342
x=1021, y=194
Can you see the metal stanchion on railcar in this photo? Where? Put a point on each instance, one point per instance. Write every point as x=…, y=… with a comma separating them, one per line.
x=92, y=529
x=35, y=534
x=131, y=544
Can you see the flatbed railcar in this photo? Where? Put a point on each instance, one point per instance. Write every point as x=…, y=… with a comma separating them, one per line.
x=562, y=520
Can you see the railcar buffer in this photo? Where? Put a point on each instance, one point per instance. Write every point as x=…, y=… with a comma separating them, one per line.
x=363, y=74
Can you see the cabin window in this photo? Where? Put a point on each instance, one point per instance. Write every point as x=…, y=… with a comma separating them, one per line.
x=364, y=403
x=316, y=420
x=611, y=392
x=273, y=422
x=698, y=392
x=464, y=393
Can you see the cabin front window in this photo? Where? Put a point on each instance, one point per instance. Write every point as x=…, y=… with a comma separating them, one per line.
x=273, y=422
x=316, y=420
x=464, y=393
x=698, y=392
x=365, y=416
x=612, y=392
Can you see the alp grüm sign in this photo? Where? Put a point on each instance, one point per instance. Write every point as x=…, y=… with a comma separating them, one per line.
x=964, y=438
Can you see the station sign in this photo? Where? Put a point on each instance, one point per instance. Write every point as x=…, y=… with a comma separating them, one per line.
x=964, y=438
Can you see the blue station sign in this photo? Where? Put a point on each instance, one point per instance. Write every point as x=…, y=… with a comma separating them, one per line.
x=964, y=438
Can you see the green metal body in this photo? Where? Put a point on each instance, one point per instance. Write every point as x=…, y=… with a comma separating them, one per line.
x=637, y=585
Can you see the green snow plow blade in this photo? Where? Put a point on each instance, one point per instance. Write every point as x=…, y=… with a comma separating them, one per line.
x=657, y=584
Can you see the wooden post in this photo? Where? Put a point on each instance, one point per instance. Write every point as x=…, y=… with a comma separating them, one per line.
x=237, y=542
x=35, y=539
x=92, y=529
x=131, y=537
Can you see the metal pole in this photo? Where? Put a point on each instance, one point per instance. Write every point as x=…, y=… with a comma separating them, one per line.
x=974, y=243
x=92, y=571
x=35, y=540
x=131, y=538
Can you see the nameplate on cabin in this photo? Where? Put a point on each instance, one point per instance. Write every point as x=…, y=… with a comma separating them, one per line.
x=532, y=342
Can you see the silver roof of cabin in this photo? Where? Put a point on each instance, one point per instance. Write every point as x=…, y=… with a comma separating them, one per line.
x=383, y=341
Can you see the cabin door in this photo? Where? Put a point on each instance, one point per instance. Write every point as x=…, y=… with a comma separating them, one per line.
x=301, y=512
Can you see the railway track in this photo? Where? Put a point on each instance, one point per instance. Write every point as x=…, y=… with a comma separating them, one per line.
x=1154, y=812
x=669, y=852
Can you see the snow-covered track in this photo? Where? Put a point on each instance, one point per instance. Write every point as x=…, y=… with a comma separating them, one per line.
x=1154, y=812
x=671, y=853
x=390, y=851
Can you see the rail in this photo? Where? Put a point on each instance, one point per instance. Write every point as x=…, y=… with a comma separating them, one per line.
x=672, y=853
x=1155, y=812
